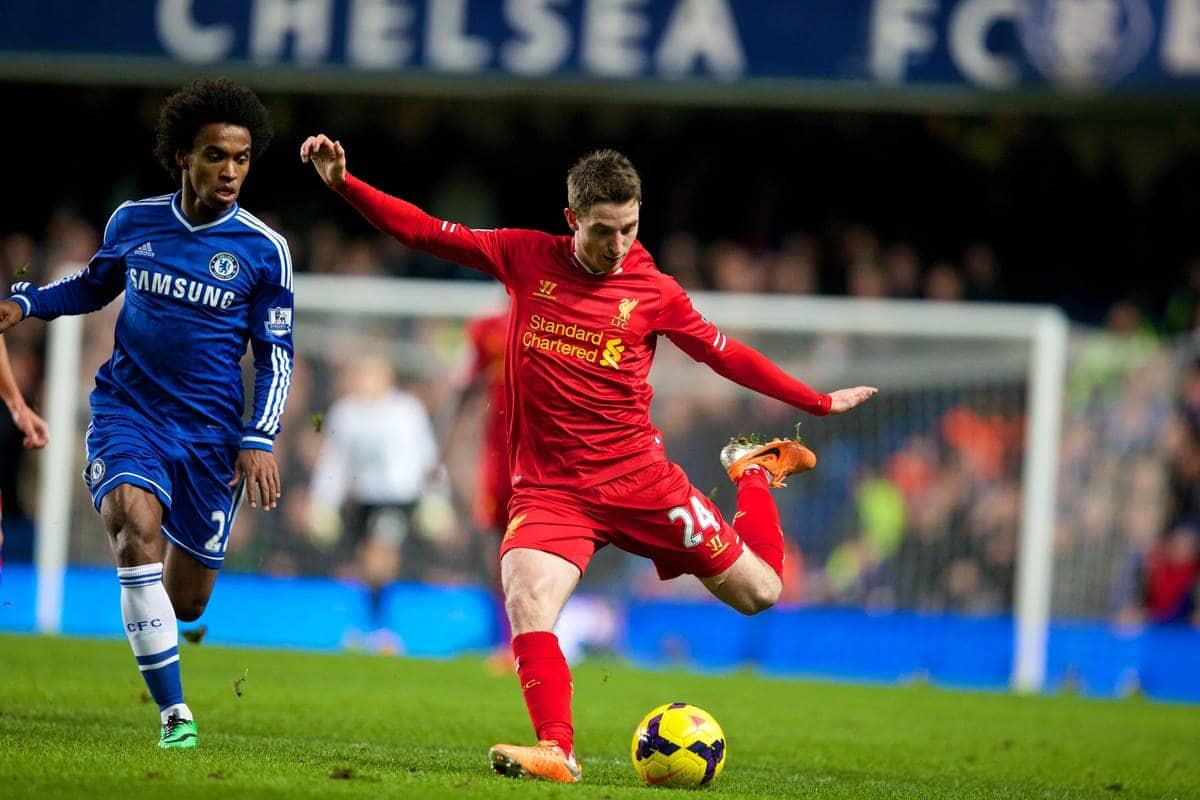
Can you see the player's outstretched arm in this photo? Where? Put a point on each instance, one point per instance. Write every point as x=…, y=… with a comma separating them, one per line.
x=328, y=158
x=695, y=335
x=843, y=400
x=747, y=367
x=400, y=219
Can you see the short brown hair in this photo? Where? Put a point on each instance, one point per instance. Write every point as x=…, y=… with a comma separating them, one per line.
x=602, y=176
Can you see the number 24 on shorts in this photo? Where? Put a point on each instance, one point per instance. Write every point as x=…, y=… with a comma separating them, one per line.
x=694, y=521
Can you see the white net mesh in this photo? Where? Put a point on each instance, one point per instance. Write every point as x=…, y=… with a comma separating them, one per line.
x=915, y=504
x=1124, y=470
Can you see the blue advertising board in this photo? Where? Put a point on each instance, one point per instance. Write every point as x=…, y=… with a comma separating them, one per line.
x=1114, y=46
x=1090, y=657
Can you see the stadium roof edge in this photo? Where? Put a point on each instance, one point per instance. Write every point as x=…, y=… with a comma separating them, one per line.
x=153, y=72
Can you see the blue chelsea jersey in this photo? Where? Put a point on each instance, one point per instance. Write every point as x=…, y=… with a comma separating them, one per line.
x=194, y=296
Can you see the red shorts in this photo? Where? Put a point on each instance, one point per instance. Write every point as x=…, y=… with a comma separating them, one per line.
x=653, y=512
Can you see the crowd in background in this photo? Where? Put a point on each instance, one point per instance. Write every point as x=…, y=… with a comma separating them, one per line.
x=924, y=515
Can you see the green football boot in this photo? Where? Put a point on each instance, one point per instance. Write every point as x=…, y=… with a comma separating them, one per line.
x=178, y=733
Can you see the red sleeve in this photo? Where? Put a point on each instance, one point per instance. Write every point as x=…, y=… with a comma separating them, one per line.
x=475, y=248
x=700, y=339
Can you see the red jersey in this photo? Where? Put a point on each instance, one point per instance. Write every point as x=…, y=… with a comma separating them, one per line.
x=493, y=484
x=487, y=336
x=580, y=344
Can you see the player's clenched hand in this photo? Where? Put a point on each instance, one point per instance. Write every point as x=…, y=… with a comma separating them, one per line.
x=327, y=157
x=261, y=472
x=843, y=400
x=10, y=314
x=37, y=433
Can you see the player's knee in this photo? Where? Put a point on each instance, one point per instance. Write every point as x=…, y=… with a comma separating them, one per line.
x=762, y=595
x=520, y=607
x=133, y=518
x=527, y=612
x=135, y=544
x=189, y=609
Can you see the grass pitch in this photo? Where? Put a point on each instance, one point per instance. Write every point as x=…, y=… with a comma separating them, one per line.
x=75, y=722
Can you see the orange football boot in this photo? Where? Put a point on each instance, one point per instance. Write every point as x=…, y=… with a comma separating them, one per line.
x=780, y=458
x=546, y=761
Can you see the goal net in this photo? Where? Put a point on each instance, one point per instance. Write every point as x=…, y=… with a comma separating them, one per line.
x=938, y=495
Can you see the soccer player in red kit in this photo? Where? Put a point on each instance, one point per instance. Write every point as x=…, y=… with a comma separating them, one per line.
x=588, y=467
x=488, y=335
x=493, y=484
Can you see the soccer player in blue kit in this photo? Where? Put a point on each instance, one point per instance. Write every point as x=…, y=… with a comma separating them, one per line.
x=169, y=458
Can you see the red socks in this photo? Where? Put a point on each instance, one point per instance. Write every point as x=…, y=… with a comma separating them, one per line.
x=543, y=672
x=757, y=518
x=546, y=683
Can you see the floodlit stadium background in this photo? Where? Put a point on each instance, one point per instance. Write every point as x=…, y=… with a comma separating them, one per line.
x=850, y=161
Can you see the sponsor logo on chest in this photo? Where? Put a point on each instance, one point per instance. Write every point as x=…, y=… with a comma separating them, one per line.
x=572, y=340
x=150, y=281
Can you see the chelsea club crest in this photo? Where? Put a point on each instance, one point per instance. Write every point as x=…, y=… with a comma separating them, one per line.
x=224, y=266
x=1082, y=44
x=95, y=471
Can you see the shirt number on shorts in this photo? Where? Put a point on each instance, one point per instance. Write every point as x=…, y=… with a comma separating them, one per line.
x=694, y=521
x=215, y=544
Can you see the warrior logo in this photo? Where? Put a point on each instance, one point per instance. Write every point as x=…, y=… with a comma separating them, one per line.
x=716, y=546
x=545, y=290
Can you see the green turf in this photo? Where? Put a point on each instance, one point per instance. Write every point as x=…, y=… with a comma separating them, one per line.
x=75, y=722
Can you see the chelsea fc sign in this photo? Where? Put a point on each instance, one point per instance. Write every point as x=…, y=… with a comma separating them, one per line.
x=783, y=46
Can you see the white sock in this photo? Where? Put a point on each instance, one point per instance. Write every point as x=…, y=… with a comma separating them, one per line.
x=184, y=712
x=153, y=633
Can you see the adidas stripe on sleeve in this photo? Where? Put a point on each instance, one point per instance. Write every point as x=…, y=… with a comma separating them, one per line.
x=271, y=310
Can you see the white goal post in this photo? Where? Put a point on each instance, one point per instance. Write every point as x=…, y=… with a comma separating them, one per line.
x=1042, y=329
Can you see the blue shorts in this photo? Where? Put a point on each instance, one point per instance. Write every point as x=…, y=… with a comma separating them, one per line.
x=190, y=479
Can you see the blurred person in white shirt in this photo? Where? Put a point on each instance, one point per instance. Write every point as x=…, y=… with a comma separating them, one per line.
x=377, y=458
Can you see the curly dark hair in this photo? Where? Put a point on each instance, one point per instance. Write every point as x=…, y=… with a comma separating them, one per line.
x=200, y=103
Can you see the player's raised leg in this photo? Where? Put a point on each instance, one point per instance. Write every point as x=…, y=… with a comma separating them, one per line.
x=536, y=587
x=133, y=517
x=754, y=582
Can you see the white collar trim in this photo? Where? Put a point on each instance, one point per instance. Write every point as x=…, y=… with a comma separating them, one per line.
x=179, y=215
